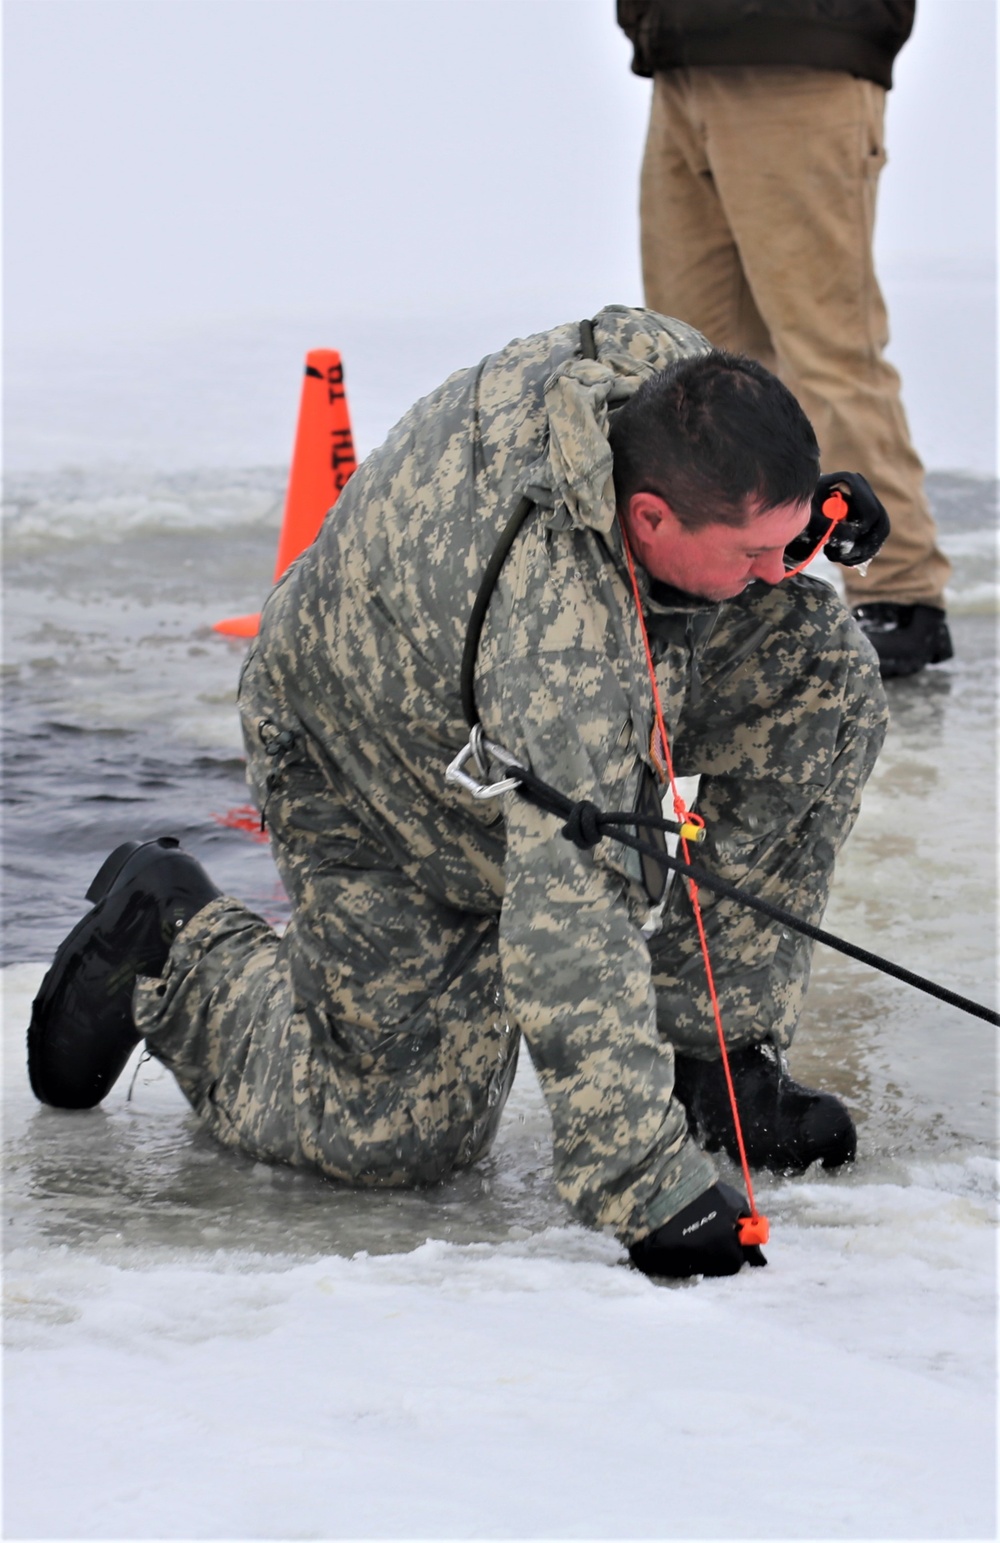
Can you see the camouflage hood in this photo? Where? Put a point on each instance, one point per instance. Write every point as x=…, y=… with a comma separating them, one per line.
x=579, y=396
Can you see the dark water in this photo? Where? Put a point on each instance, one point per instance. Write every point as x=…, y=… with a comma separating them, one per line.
x=120, y=719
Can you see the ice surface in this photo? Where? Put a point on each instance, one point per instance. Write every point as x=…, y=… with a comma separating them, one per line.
x=199, y=1346
x=191, y=1355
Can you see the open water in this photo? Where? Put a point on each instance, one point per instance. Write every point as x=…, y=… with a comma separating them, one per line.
x=120, y=723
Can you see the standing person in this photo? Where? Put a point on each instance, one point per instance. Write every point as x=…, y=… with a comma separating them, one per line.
x=376, y=1040
x=757, y=208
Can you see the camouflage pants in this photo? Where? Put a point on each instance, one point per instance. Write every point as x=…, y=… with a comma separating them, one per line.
x=783, y=718
x=371, y=1040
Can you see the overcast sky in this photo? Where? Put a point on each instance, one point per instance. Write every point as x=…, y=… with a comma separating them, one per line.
x=197, y=191
x=180, y=160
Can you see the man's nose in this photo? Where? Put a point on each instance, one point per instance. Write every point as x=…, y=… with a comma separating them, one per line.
x=770, y=567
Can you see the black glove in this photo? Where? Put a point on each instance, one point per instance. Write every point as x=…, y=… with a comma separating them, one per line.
x=854, y=539
x=700, y=1240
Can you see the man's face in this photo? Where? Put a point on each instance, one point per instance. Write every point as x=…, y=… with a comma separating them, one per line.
x=718, y=561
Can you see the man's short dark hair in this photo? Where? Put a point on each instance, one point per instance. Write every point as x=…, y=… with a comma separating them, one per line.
x=718, y=437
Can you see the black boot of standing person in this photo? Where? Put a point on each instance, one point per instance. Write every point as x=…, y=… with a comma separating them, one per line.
x=82, y=1031
x=905, y=637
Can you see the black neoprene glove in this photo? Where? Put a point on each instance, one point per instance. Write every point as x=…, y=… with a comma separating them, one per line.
x=700, y=1240
x=854, y=539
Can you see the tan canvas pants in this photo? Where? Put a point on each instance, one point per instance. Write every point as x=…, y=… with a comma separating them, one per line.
x=758, y=208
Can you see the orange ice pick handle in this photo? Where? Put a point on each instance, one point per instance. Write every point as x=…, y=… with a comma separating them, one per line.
x=753, y=1229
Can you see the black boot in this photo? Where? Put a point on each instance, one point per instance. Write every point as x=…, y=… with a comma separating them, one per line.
x=700, y=1240
x=785, y=1127
x=82, y=1031
x=905, y=637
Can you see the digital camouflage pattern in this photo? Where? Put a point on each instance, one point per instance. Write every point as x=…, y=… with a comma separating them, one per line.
x=377, y=1039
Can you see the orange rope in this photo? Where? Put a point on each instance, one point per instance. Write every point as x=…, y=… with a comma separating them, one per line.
x=835, y=508
x=752, y=1229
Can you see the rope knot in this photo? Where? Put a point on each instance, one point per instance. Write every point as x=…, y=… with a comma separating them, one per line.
x=583, y=827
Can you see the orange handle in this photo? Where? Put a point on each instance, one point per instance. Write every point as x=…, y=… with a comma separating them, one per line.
x=753, y=1229
x=835, y=508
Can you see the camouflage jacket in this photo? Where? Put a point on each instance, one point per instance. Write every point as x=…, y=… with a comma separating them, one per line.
x=365, y=637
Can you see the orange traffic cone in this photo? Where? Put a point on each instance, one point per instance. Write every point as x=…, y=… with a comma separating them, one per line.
x=322, y=461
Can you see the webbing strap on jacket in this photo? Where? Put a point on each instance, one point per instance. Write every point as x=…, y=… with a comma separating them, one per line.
x=478, y=615
x=484, y=595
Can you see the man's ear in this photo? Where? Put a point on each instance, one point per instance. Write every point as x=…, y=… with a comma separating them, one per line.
x=646, y=513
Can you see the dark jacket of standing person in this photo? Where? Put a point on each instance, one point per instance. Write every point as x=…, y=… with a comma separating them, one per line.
x=860, y=37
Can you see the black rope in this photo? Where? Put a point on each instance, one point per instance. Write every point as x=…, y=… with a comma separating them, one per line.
x=586, y=825
x=776, y=913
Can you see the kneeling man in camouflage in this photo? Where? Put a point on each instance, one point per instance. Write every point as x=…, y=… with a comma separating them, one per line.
x=376, y=1039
